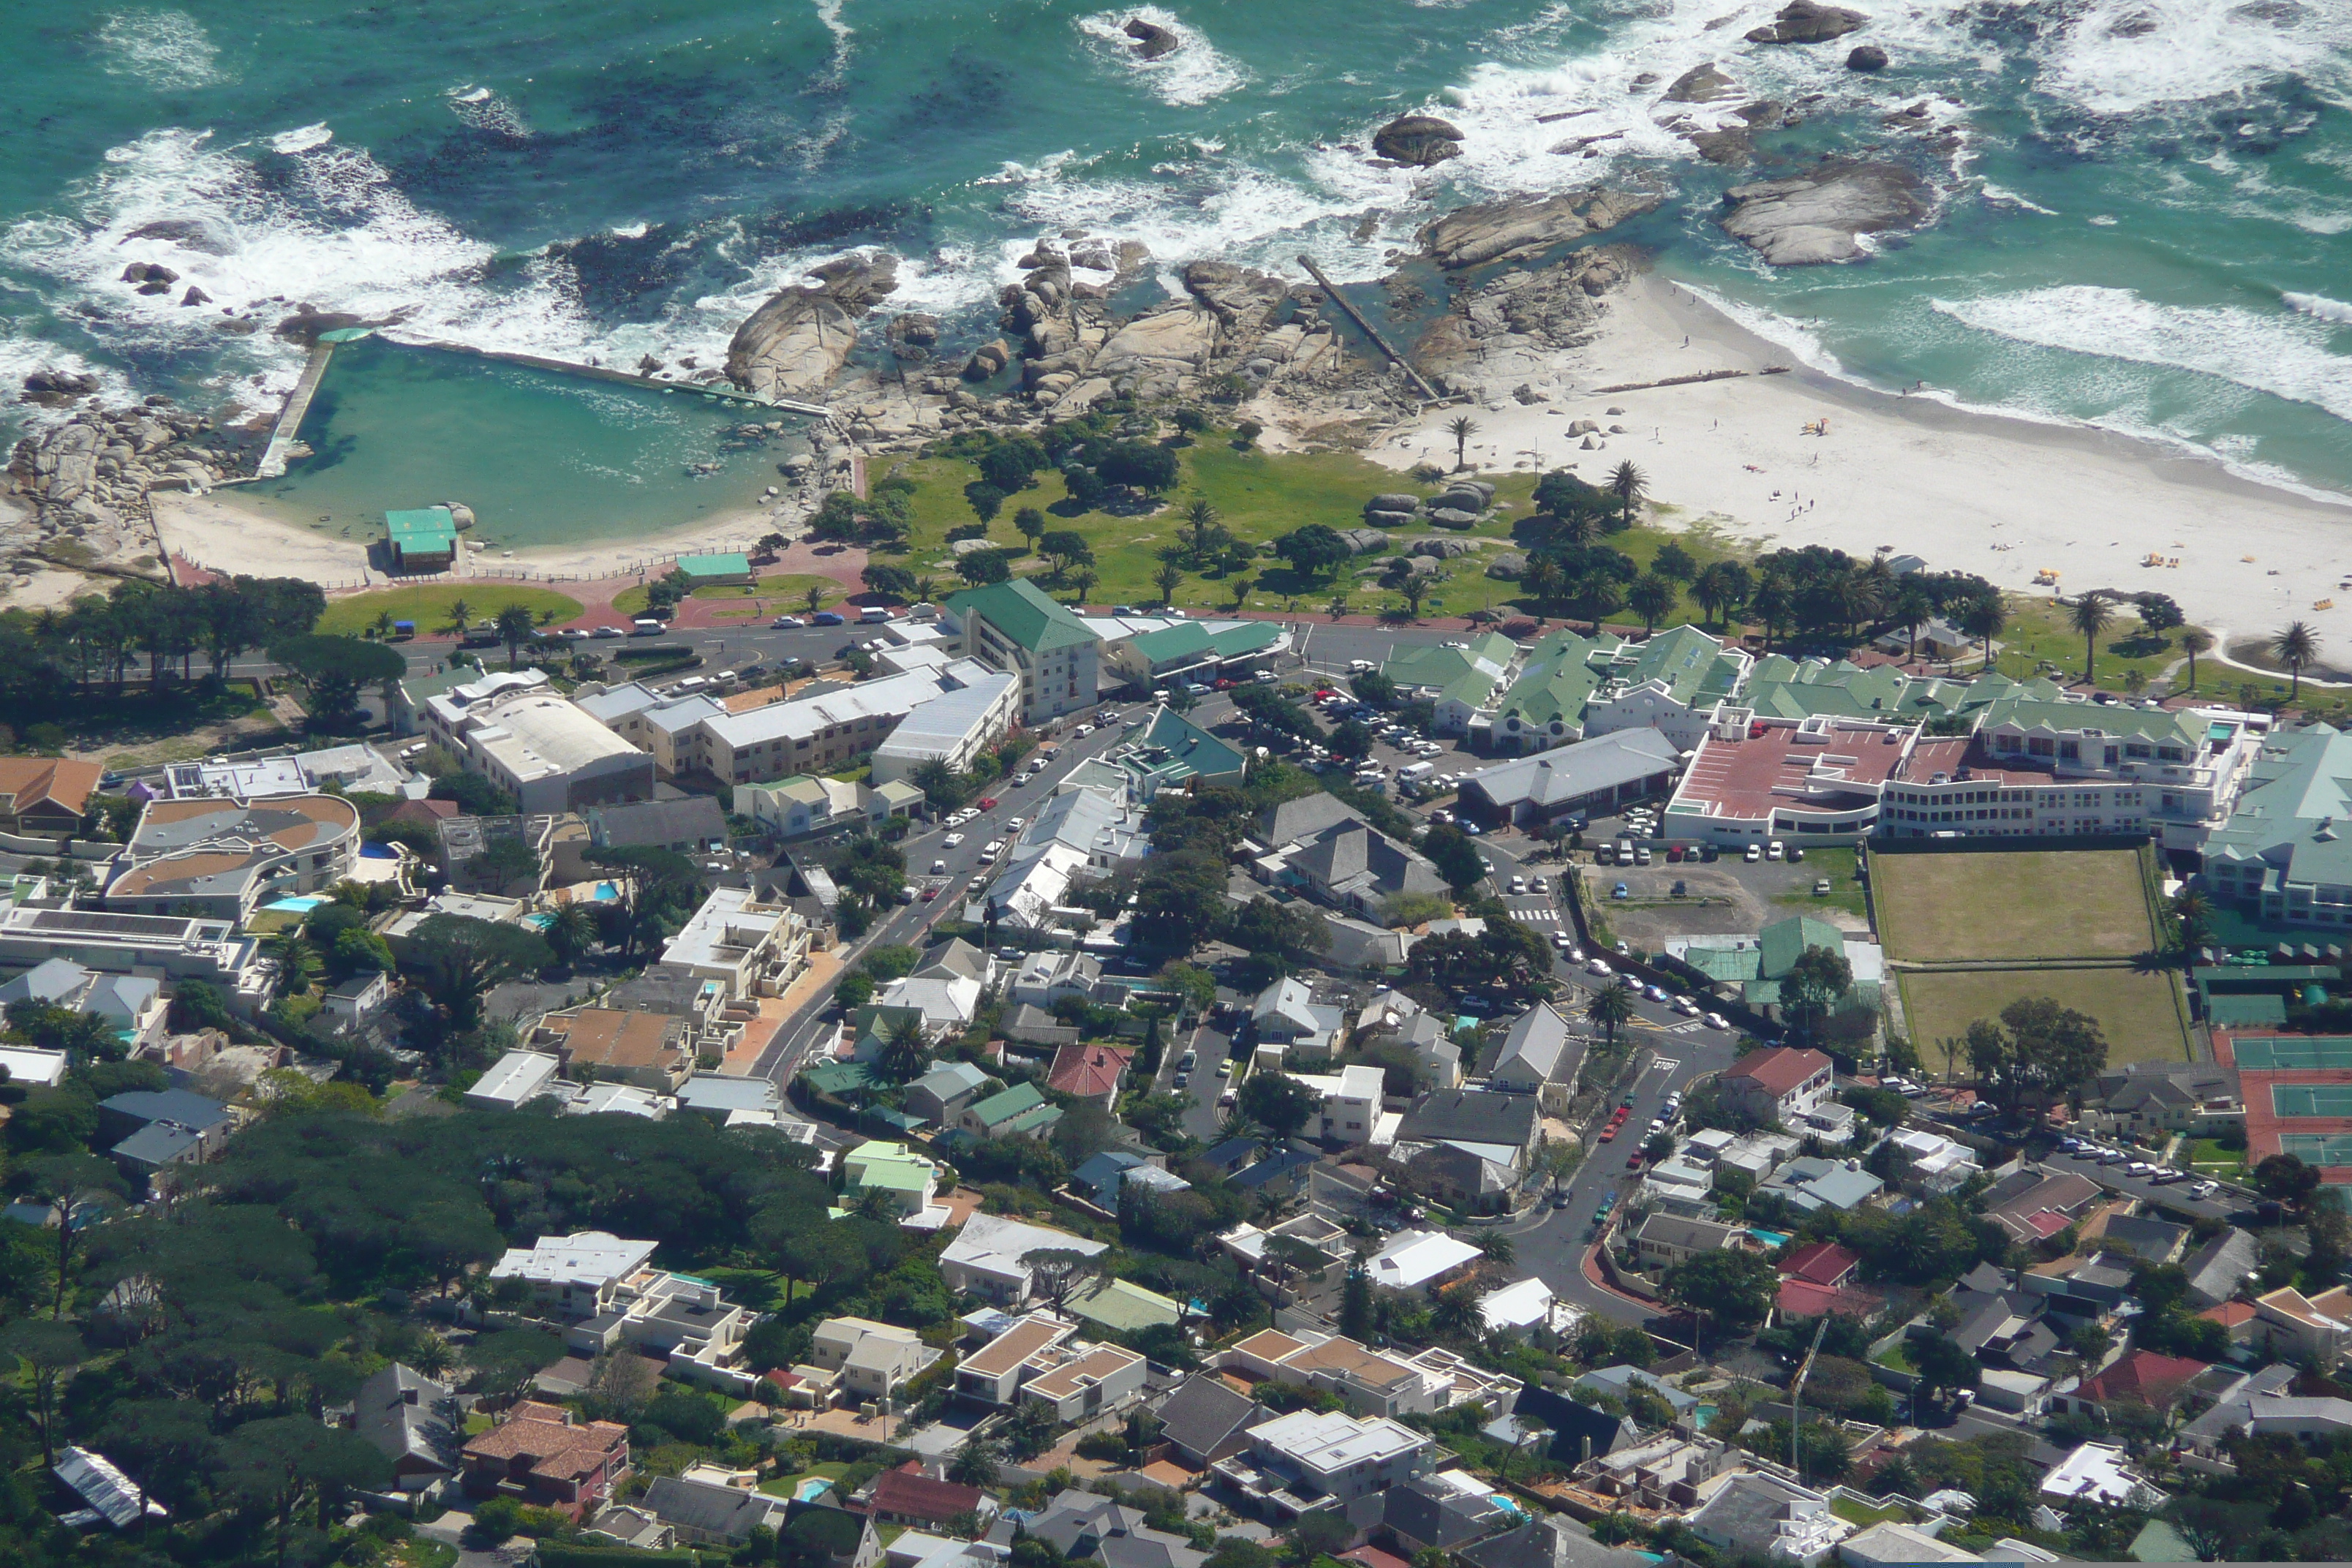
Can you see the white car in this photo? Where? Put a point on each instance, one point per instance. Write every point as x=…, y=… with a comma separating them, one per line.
x=1776, y=850
x=1685, y=1006
x=1541, y=884
x=1717, y=1021
x=1755, y=853
x=951, y=840
x=1017, y=823
x=1084, y=729
x=1575, y=953
x=1519, y=884
x=1599, y=966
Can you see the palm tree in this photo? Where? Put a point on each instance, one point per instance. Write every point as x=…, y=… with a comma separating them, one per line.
x=515, y=628
x=1460, y=428
x=2295, y=646
x=1496, y=1247
x=1415, y=589
x=814, y=598
x=1542, y=580
x=571, y=933
x=1241, y=588
x=461, y=616
x=1167, y=579
x=900, y=1060
x=2193, y=642
x=1913, y=609
x=1611, y=1008
x=1652, y=598
x=2090, y=616
x=1086, y=578
x=2191, y=910
x=1200, y=521
x=382, y=627
x=1770, y=605
x=1339, y=605
x=975, y=1464
x=1983, y=620
x=1630, y=486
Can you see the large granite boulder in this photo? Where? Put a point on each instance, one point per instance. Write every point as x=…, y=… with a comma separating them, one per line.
x=1808, y=22
x=1500, y=231
x=1701, y=84
x=798, y=341
x=1419, y=139
x=1815, y=216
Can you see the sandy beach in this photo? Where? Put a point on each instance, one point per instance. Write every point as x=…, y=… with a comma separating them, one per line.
x=222, y=533
x=2002, y=497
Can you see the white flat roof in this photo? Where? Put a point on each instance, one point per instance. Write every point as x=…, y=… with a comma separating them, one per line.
x=1327, y=1441
x=828, y=704
x=585, y=1257
x=540, y=734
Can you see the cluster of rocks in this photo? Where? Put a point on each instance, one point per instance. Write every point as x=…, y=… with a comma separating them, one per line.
x=1460, y=505
x=1152, y=41
x=86, y=482
x=1510, y=231
x=1516, y=324
x=1417, y=140
x=1807, y=21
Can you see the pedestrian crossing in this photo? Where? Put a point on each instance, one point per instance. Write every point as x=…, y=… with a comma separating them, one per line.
x=1535, y=914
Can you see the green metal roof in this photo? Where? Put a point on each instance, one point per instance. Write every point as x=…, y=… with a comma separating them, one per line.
x=1440, y=668
x=1684, y=658
x=735, y=565
x=1125, y=1307
x=1232, y=642
x=1192, y=751
x=998, y=1109
x=1725, y=963
x=2117, y=721
x=838, y=1079
x=1021, y=611
x=1784, y=941
x=1188, y=639
x=423, y=530
x=1559, y=681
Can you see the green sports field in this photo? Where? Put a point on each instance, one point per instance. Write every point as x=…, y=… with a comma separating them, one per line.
x=2140, y=1013
x=2011, y=903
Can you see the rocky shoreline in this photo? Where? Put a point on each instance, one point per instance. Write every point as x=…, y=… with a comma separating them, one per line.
x=1491, y=299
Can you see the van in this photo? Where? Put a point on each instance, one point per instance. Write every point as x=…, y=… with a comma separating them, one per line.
x=691, y=683
x=646, y=627
x=1625, y=852
x=873, y=615
x=724, y=678
x=1416, y=769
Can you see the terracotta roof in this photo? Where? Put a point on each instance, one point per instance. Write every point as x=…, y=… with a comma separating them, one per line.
x=543, y=1434
x=1800, y=1300
x=48, y=781
x=1374, y=1557
x=1778, y=1069
x=607, y=1038
x=2142, y=1376
x=1016, y=1345
x=1088, y=1071
x=908, y=1491
x=1819, y=1263
x=2229, y=1315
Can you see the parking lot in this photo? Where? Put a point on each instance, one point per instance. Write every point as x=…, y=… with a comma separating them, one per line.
x=1695, y=897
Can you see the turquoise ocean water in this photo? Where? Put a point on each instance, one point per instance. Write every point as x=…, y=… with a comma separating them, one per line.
x=2145, y=221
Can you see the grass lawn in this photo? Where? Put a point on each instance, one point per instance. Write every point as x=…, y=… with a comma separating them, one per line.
x=2207, y=1155
x=1846, y=893
x=1862, y=1513
x=427, y=605
x=2038, y=635
x=1259, y=496
x=785, y=592
x=2012, y=903
x=1896, y=1356
x=2141, y=1014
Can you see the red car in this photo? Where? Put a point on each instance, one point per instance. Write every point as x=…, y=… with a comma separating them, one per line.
x=1633, y=1161
x=930, y=892
x=988, y=802
x=1226, y=684
x=1609, y=1133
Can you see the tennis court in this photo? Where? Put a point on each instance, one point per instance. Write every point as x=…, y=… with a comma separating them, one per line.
x=2308, y=1054
x=2312, y=1099
x=2318, y=1148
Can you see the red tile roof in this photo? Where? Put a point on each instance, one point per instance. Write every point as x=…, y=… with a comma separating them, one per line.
x=1819, y=1263
x=1374, y=1557
x=28, y=781
x=909, y=1492
x=1800, y=1300
x=1777, y=1069
x=2229, y=1315
x=1088, y=1071
x=2142, y=1376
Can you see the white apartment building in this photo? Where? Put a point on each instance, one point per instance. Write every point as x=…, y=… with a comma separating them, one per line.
x=577, y=1276
x=537, y=746
x=751, y=948
x=1015, y=627
x=865, y=1361
x=830, y=725
x=988, y=1256
x=1352, y=1103
x=952, y=728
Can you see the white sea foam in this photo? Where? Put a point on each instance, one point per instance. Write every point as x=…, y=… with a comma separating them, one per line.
x=2128, y=56
x=2284, y=355
x=1993, y=192
x=485, y=110
x=2319, y=305
x=329, y=229
x=1194, y=72
x=829, y=13
x=301, y=139
x=165, y=50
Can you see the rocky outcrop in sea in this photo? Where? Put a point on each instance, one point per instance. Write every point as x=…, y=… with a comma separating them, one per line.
x=82, y=485
x=801, y=338
x=1816, y=216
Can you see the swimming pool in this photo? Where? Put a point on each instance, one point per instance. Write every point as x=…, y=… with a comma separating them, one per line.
x=301, y=906
x=1769, y=1238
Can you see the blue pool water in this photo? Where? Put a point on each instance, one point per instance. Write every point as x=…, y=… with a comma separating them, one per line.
x=295, y=906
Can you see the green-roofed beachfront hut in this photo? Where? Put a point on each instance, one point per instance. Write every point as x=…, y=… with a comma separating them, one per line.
x=726, y=569
x=421, y=540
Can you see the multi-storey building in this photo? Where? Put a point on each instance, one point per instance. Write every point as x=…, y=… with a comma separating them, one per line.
x=1015, y=627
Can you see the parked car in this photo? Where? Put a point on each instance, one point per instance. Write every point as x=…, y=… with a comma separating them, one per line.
x=1619, y=892
x=610, y=632
x=1776, y=850
x=828, y=618
x=1717, y=1021
x=1755, y=853
x=784, y=623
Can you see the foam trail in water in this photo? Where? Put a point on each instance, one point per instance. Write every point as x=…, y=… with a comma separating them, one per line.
x=165, y=50
x=1194, y=72
x=2281, y=355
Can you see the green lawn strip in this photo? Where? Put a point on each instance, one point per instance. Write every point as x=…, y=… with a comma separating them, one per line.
x=2038, y=634
x=1860, y=1514
x=2140, y=1013
x=428, y=604
x=785, y=592
x=1896, y=1357
x=783, y=1486
x=1259, y=496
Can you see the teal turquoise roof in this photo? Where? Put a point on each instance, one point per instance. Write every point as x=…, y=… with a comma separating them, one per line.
x=1689, y=661
x=1192, y=752
x=1782, y=943
x=1002, y=1112
x=730, y=564
x=423, y=530
x=1440, y=668
x=1021, y=611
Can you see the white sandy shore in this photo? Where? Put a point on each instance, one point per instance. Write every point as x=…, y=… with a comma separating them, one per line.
x=1973, y=492
x=225, y=533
